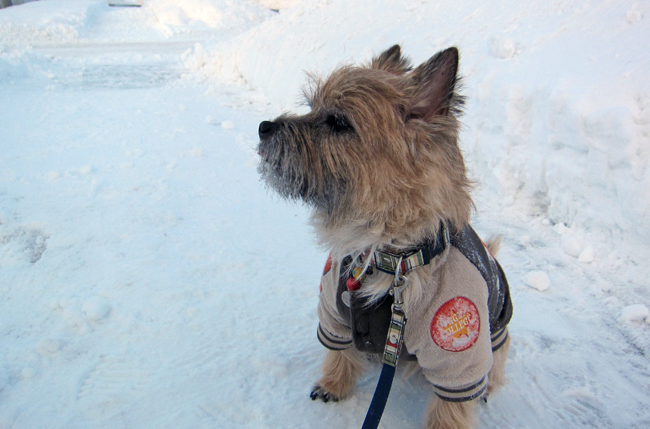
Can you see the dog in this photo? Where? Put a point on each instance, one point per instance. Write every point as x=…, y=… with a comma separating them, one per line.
x=377, y=159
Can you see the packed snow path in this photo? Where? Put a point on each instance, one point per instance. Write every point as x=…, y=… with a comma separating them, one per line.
x=147, y=278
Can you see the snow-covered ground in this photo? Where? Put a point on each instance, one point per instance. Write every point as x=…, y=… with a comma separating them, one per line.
x=147, y=278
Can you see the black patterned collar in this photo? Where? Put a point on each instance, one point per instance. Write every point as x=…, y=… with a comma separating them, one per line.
x=412, y=258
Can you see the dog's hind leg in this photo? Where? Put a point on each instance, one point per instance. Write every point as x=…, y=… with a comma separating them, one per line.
x=340, y=372
x=451, y=415
x=497, y=376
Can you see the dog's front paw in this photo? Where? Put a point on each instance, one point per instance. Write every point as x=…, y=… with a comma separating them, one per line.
x=319, y=392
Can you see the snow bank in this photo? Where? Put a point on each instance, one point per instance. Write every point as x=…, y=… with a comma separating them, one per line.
x=558, y=114
x=57, y=21
x=34, y=36
x=60, y=21
x=186, y=18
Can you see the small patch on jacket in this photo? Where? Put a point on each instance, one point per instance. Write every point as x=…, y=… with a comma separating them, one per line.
x=456, y=325
x=328, y=267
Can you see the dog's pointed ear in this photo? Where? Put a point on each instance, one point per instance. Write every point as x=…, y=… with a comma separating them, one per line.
x=391, y=60
x=433, y=86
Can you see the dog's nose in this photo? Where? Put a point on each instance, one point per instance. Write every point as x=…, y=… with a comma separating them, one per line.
x=267, y=128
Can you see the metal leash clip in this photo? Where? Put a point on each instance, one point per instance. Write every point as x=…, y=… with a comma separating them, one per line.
x=399, y=284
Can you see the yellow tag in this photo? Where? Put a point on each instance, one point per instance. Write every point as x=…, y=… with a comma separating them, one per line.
x=357, y=272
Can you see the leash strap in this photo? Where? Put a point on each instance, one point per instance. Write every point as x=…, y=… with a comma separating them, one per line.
x=380, y=397
x=391, y=354
x=394, y=341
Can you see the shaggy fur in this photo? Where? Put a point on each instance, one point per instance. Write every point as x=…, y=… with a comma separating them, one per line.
x=377, y=159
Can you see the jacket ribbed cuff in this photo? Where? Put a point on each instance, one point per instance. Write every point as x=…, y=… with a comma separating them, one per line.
x=331, y=341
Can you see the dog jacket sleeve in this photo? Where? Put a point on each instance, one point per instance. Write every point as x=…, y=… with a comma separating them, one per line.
x=449, y=330
x=333, y=331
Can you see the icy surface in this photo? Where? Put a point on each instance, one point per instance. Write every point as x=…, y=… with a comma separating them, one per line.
x=147, y=278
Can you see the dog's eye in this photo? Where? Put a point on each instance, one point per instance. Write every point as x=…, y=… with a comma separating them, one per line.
x=339, y=124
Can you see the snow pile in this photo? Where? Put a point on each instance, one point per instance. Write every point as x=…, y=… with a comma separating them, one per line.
x=54, y=21
x=186, y=18
x=176, y=14
x=59, y=21
x=34, y=36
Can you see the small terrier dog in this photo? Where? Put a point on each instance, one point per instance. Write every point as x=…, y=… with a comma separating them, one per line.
x=377, y=159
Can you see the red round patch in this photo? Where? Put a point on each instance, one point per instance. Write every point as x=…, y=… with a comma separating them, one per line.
x=456, y=325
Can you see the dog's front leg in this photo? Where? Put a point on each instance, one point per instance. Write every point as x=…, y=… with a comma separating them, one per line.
x=340, y=372
x=451, y=415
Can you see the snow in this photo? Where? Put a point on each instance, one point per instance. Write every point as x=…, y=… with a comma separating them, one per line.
x=537, y=280
x=148, y=279
x=587, y=255
x=96, y=308
x=571, y=246
x=635, y=312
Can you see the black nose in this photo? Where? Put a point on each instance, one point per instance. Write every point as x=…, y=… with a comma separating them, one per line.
x=267, y=129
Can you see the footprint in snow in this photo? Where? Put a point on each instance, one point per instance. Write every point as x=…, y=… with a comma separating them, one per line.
x=111, y=384
x=22, y=243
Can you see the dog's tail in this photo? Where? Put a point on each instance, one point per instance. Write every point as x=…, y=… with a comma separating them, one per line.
x=494, y=244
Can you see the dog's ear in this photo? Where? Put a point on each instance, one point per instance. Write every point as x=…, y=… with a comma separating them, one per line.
x=433, y=85
x=391, y=60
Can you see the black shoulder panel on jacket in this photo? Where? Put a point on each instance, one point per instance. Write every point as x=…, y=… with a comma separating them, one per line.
x=499, y=304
